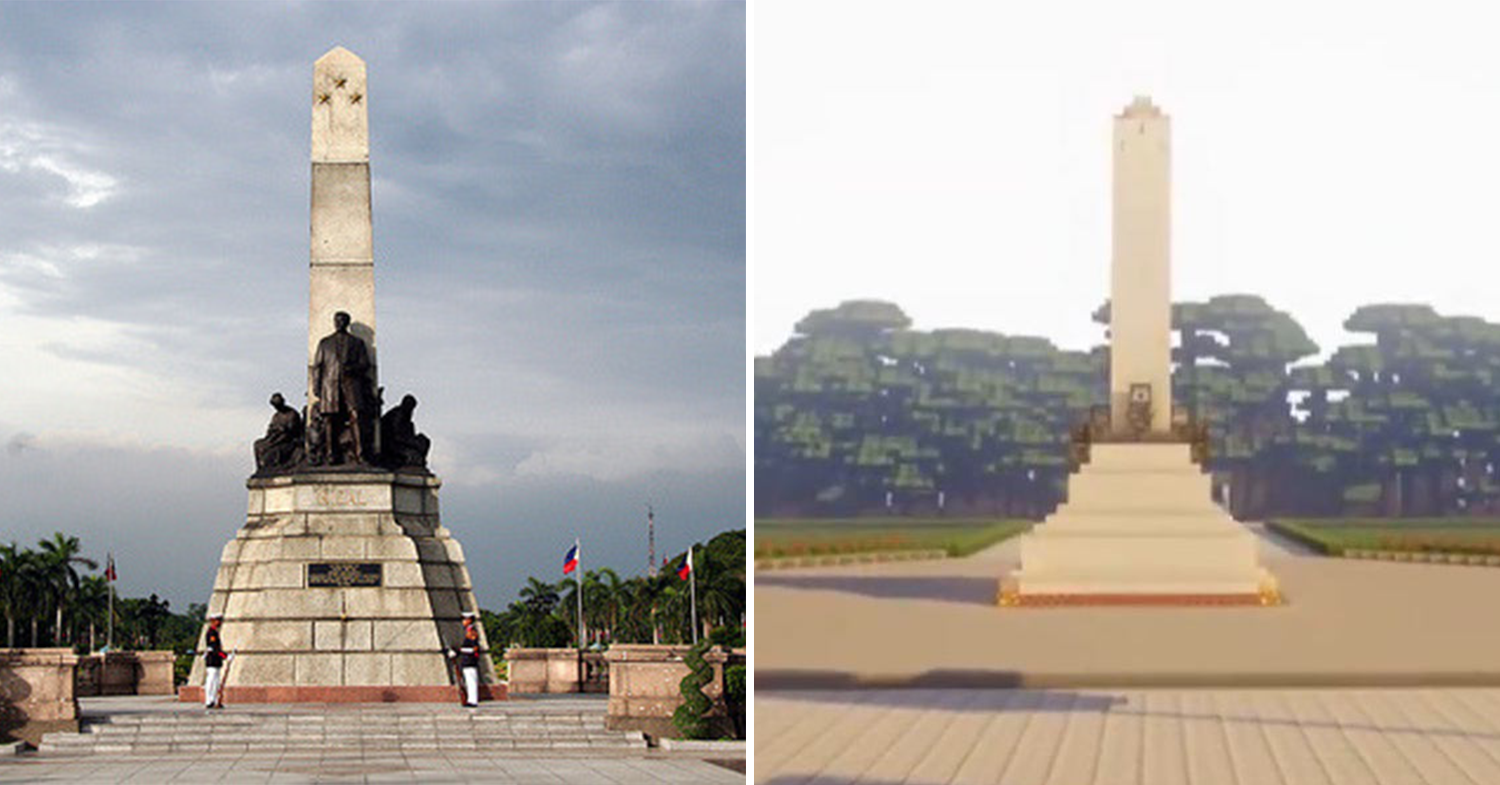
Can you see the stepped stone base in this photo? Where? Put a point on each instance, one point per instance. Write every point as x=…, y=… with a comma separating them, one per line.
x=349, y=694
x=1139, y=527
x=522, y=728
x=291, y=586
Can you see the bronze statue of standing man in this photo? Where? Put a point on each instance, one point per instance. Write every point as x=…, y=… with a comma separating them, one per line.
x=346, y=408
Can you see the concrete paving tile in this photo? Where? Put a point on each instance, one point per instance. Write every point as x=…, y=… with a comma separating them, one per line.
x=1031, y=746
x=1073, y=761
x=1003, y=718
x=1415, y=740
x=1375, y=744
x=1459, y=742
x=1163, y=739
x=1294, y=754
x=812, y=752
x=782, y=725
x=1249, y=750
x=1205, y=745
x=1338, y=749
x=883, y=725
x=1120, y=744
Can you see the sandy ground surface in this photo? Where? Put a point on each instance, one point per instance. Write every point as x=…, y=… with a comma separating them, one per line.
x=936, y=624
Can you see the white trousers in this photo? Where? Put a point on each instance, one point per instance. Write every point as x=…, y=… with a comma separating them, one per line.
x=211, y=686
x=471, y=684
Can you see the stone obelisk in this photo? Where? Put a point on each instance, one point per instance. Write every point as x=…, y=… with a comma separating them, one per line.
x=343, y=585
x=1139, y=525
x=342, y=275
x=1140, y=349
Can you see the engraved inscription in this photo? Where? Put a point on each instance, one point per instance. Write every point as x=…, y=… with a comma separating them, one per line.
x=333, y=496
x=343, y=574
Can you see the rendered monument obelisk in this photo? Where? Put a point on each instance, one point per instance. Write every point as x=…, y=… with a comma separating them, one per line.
x=1139, y=525
x=1140, y=349
x=343, y=585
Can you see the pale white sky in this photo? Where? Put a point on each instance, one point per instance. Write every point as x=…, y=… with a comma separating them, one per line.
x=954, y=158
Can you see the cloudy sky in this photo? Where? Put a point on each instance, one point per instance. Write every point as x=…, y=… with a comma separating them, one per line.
x=560, y=269
x=955, y=157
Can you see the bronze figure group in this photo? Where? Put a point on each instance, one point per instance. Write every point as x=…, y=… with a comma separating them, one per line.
x=344, y=427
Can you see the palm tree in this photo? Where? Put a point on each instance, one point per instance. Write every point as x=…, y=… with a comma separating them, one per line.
x=58, y=557
x=33, y=590
x=720, y=599
x=604, y=593
x=671, y=614
x=540, y=600
x=14, y=564
x=539, y=597
x=152, y=613
x=91, y=604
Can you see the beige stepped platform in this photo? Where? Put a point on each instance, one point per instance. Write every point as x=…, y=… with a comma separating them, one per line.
x=572, y=726
x=1139, y=527
x=342, y=586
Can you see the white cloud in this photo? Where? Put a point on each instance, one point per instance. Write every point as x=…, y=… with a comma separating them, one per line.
x=612, y=457
x=27, y=145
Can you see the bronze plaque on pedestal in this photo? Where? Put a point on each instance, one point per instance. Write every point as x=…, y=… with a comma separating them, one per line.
x=343, y=574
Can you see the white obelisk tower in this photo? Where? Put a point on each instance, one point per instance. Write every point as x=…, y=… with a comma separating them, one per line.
x=1139, y=525
x=1140, y=288
x=342, y=276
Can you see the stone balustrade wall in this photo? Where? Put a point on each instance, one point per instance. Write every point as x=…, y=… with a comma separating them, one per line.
x=644, y=681
x=645, y=686
x=126, y=673
x=36, y=692
x=542, y=671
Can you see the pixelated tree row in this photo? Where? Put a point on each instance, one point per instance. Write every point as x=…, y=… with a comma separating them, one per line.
x=859, y=414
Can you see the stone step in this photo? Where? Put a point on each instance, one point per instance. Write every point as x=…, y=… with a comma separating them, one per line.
x=194, y=732
x=81, y=744
x=49, y=748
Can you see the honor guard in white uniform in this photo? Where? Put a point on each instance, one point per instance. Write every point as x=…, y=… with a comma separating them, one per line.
x=213, y=664
x=468, y=660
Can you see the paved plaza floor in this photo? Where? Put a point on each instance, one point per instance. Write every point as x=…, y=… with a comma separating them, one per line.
x=1129, y=737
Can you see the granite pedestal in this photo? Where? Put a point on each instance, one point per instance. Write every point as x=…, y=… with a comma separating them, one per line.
x=342, y=586
x=1139, y=526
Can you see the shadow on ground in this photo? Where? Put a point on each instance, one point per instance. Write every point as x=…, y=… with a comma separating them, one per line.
x=824, y=779
x=966, y=590
x=1000, y=679
x=963, y=701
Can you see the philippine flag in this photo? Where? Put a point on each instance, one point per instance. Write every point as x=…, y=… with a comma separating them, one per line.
x=570, y=561
x=687, y=567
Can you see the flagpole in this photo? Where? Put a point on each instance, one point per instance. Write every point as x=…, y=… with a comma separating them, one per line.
x=693, y=594
x=578, y=588
x=578, y=581
x=110, y=636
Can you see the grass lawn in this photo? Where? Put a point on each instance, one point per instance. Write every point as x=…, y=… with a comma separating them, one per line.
x=1424, y=535
x=811, y=537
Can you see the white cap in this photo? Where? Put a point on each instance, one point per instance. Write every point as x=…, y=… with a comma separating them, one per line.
x=213, y=616
x=470, y=615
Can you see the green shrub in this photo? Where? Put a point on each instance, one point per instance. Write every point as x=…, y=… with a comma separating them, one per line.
x=734, y=697
x=182, y=666
x=690, y=718
x=728, y=637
